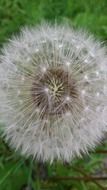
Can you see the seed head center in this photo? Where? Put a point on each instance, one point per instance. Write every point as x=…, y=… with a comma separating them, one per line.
x=56, y=87
x=50, y=92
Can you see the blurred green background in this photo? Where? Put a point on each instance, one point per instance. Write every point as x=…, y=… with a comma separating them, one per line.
x=16, y=172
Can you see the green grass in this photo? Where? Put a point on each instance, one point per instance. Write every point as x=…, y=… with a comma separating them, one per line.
x=15, y=171
x=89, y=14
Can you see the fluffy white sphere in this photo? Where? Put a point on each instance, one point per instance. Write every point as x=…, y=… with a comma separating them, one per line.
x=53, y=92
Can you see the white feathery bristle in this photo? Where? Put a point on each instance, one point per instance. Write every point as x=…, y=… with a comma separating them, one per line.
x=53, y=92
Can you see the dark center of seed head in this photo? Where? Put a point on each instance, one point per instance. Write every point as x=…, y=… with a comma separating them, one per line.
x=53, y=92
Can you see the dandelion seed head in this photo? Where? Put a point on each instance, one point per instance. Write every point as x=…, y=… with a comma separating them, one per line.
x=53, y=92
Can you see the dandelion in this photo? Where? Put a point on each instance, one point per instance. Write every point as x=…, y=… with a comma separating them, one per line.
x=53, y=92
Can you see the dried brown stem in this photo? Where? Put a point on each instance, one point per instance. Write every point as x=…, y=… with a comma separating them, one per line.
x=80, y=170
x=83, y=178
x=101, y=151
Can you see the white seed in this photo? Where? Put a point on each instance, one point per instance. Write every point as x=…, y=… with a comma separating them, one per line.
x=86, y=77
x=87, y=108
x=86, y=60
x=60, y=45
x=44, y=69
x=23, y=78
x=67, y=63
x=83, y=92
x=67, y=98
x=97, y=73
x=46, y=89
x=97, y=94
x=36, y=50
x=77, y=46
